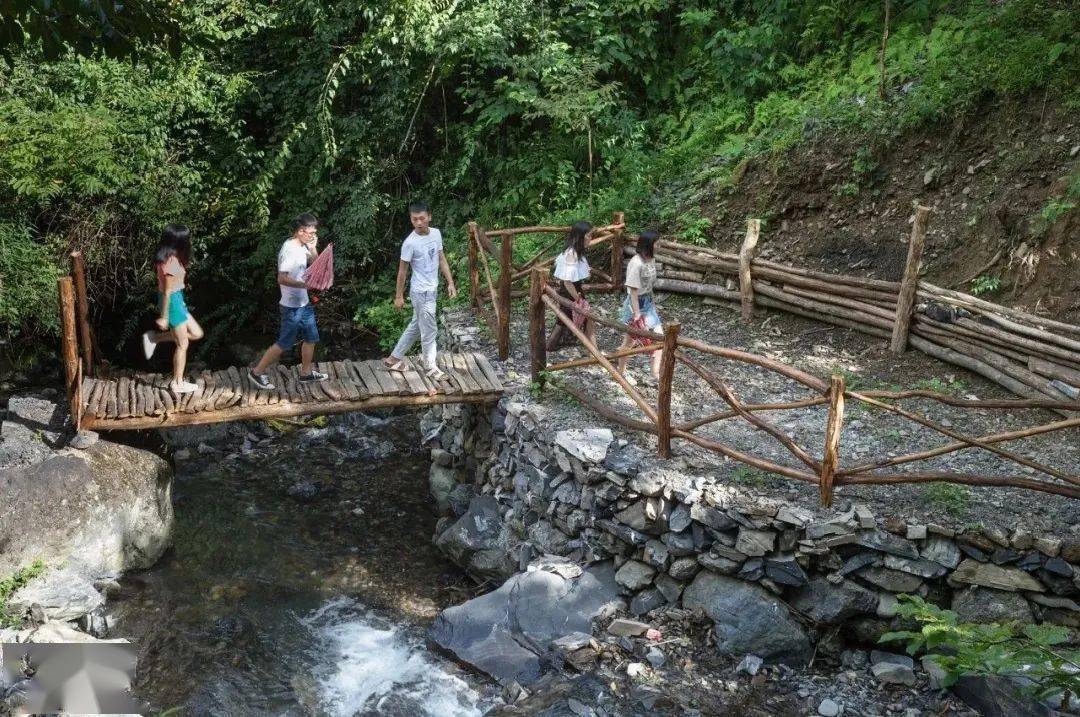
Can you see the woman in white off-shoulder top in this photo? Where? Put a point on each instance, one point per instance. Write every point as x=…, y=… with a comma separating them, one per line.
x=571, y=269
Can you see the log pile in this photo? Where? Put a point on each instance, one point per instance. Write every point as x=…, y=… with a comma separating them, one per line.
x=1032, y=356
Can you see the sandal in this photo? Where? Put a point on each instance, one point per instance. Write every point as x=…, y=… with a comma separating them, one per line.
x=395, y=365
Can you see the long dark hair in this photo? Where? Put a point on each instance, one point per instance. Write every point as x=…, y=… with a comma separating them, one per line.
x=646, y=241
x=175, y=241
x=575, y=238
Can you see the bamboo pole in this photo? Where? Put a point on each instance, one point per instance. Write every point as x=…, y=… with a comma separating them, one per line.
x=78, y=273
x=830, y=459
x=746, y=256
x=537, y=330
x=909, y=285
x=614, y=355
x=506, y=269
x=667, y=375
x=69, y=344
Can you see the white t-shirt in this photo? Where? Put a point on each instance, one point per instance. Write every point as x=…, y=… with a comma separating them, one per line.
x=422, y=252
x=292, y=259
x=641, y=275
x=570, y=267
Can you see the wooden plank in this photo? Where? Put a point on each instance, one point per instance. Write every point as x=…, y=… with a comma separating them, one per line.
x=489, y=371
x=461, y=371
x=223, y=391
x=153, y=401
x=430, y=387
x=318, y=390
x=382, y=375
x=330, y=386
x=474, y=371
x=345, y=379
x=164, y=394
x=909, y=285
x=280, y=376
x=93, y=404
x=449, y=384
x=237, y=384
x=401, y=382
x=85, y=390
x=355, y=381
x=123, y=409
x=363, y=368
x=140, y=399
x=416, y=385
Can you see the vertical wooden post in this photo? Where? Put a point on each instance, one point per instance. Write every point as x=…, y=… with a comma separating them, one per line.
x=830, y=460
x=506, y=271
x=474, y=269
x=78, y=273
x=617, y=253
x=746, y=256
x=667, y=374
x=905, y=302
x=537, y=328
x=69, y=344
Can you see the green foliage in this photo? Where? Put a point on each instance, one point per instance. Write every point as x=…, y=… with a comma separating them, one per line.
x=28, y=294
x=8, y=587
x=984, y=284
x=536, y=388
x=749, y=476
x=694, y=229
x=1035, y=652
x=948, y=385
x=385, y=320
x=949, y=497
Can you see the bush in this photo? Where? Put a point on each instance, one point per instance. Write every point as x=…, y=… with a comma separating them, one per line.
x=29, y=303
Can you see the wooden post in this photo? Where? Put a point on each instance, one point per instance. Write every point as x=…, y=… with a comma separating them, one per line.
x=830, y=460
x=617, y=253
x=506, y=270
x=905, y=302
x=667, y=374
x=474, y=269
x=537, y=328
x=69, y=344
x=78, y=273
x=746, y=256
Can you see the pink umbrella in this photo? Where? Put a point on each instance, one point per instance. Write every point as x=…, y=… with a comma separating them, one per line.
x=320, y=275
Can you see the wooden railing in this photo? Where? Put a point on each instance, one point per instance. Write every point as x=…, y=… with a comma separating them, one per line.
x=76, y=337
x=493, y=297
x=826, y=471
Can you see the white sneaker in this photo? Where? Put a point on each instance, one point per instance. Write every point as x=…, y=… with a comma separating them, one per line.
x=183, y=387
x=148, y=345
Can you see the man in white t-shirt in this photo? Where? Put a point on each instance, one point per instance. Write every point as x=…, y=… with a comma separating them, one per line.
x=297, y=313
x=422, y=251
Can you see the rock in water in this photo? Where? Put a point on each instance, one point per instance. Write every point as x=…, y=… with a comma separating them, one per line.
x=62, y=595
x=102, y=511
x=505, y=632
x=748, y=619
x=476, y=540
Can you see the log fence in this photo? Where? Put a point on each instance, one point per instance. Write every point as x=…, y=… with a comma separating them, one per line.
x=826, y=472
x=493, y=297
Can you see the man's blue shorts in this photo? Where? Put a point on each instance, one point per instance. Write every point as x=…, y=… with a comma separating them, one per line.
x=297, y=321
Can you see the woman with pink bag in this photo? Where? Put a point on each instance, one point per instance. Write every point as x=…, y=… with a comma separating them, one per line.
x=571, y=269
x=638, y=309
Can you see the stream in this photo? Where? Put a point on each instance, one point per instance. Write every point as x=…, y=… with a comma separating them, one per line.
x=302, y=579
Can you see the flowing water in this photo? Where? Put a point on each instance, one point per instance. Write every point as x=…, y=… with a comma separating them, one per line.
x=279, y=603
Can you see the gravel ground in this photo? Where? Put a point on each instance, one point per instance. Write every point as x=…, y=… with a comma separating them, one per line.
x=868, y=433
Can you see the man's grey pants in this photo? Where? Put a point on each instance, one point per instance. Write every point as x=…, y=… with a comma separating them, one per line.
x=422, y=325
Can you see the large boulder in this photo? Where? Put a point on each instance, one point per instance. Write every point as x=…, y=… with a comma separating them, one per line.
x=982, y=605
x=32, y=430
x=823, y=602
x=62, y=595
x=748, y=619
x=506, y=632
x=101, y=511
x=478, y=541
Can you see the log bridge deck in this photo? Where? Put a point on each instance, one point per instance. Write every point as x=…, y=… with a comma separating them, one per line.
x=143, y=401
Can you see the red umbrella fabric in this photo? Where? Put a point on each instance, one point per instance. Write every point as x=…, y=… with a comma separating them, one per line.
x=320, y=275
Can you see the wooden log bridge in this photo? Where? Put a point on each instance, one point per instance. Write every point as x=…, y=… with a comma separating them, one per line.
x=143, y=401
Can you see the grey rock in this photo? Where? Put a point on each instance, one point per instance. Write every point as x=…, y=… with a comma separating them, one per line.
x=32, y=429
x=83, y=440
x=980, y=605
x=922, y=568
x=942, y=551
x=718, y=563
x=571, y=642
x=503, y=633
x=755, y=542
x=891, y=673
x=859, y=561
x=679, y=544
x=886, y=542
x=749, y=665
x=823, y=602
x=479, y=529
x=634, y=575
x=626, y=460
x=995, y=696
x=892, y=580
x=303, y=491
x=828, y=708
x=670, y=588
x=971, y=572
x=460, y=497
x=627, y=628
x=935, y=672
x=646, y=601
x=785, y=571
x=656, y=657
x=102, y=511
x=684, y=568
x=711, y=517
x=628, y=534
x=63, y=595
x=588, y=445
x=752, y=570
x=635, y=517
x=650, y=483
x=747, y=619
x=878, y=657
x=657, y=554
x=680, y=518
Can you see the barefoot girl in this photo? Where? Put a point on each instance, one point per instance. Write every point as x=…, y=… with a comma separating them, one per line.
x=174, y=322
